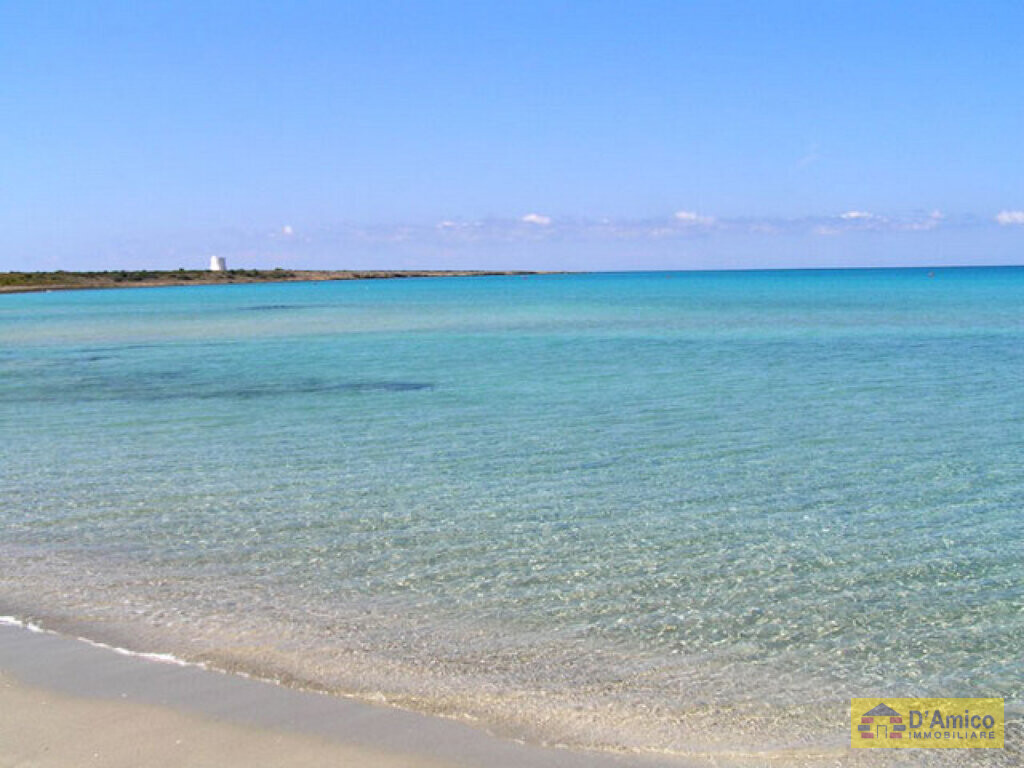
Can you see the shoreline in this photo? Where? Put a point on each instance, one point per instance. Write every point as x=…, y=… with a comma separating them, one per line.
x=259, y=493
x=528, y=714
x=128, y=708
x=41, y=282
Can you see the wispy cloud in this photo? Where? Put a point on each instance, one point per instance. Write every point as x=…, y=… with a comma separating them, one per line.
x=864, y=221
x=1010, y=218
x=524, y=236
x=931, y=221
x=682, y=225
x=809, y=157
x=688, y=224
x=692, y=217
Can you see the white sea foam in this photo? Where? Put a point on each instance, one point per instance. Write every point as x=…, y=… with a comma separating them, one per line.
x=12, y=621
x=161, y=658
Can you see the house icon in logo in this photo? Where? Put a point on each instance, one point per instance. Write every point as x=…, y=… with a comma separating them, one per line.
x=882, y=722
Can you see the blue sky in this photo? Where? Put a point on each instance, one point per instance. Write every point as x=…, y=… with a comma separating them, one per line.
x=576, y=135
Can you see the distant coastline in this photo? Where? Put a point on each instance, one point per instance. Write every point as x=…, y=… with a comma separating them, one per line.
x=28, y=282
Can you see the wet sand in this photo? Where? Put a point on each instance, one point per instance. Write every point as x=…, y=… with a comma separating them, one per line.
x=68, y=703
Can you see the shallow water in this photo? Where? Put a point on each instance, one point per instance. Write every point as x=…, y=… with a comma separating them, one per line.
x=656, y=511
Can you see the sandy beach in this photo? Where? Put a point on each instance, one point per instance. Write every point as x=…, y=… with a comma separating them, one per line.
x=42, y=728
x=68, y=703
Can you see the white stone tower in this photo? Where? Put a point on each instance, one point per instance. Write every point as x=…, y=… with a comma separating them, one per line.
x=217, y=264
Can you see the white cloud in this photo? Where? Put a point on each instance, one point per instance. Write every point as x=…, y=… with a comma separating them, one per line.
x=692, y=217
x=682, y=225
x=931, y=221
x=1007, y=218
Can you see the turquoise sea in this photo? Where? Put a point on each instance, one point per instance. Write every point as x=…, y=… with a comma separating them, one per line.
x=679, y=513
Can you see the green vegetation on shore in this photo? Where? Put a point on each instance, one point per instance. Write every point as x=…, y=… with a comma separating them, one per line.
x=20, y=282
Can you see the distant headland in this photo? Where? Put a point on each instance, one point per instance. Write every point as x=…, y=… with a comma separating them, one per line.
x=24, y=282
